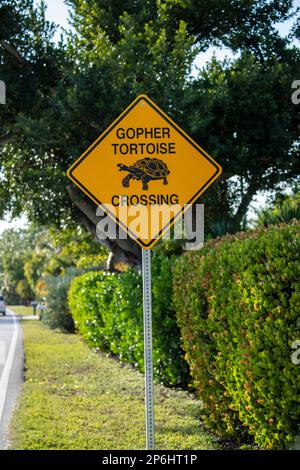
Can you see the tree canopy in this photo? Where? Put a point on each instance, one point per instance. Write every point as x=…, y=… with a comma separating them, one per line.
x=61, y=96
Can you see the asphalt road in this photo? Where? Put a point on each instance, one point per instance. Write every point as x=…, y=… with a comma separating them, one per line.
x=11, y=370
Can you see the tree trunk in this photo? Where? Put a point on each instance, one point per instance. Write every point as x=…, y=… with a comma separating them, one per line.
x=121, y=251
x=244, y=205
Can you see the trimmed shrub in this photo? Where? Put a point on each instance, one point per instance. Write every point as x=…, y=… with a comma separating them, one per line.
x=108, y=311
x=238, y=303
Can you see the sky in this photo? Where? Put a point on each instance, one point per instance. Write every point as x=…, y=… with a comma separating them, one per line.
x=57, y=11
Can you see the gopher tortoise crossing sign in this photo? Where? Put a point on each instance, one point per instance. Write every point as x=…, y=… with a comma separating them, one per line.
x=142, y=165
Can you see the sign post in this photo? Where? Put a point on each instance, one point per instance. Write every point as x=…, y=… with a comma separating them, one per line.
x=149, y=390
x=145, y=172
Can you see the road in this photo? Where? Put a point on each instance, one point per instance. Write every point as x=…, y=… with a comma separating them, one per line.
x=11, y=370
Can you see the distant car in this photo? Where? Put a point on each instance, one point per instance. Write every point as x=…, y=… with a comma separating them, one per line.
x=2, y=305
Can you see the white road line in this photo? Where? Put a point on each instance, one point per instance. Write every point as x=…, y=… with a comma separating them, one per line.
x=8, y=365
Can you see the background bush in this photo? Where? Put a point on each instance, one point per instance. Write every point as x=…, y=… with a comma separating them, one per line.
x=108, y=312
x=58, y=314
x=283, y=211
x=237, y=303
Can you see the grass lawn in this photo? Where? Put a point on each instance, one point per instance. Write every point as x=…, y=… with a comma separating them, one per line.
x=21, y=309
x=74, y=398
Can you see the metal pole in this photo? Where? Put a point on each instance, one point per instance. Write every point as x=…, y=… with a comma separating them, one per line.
x=149, y=391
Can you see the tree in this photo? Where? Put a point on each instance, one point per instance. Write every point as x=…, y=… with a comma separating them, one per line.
x=28, y=256
x=240, y=111
x=15, y=246
x=249, y=123
x=24, y=291
x=285, y=209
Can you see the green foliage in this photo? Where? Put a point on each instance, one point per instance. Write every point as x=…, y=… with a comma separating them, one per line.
x=108, y=312
x=55, y=251
x=283, y=211
x=15, y=247
x=58, y=315
x=215, y=21
x=24, y=291
x=76, y=247
x=237, y=304
x=28, y=255
x=38, y=259
x=239, y=111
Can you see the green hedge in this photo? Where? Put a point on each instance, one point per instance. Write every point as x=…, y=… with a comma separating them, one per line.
x=108, y=312
x=238, y=306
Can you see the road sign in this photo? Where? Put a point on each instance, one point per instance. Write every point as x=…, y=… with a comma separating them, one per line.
x=143, y=171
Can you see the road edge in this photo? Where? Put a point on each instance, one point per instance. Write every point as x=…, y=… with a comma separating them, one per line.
x=12, y=379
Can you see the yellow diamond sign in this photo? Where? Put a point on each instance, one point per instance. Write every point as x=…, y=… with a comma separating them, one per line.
x=144, y=171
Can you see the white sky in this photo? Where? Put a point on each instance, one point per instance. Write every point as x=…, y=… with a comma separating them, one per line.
x=57, y=11
x=21, y=222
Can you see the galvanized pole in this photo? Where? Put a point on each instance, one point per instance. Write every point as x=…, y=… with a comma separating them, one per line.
x=149, y=391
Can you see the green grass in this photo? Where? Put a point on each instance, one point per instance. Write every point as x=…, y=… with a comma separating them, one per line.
x=21, y=309
x=74, y=398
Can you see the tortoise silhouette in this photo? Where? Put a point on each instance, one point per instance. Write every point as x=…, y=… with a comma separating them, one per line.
x=145, y=170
